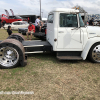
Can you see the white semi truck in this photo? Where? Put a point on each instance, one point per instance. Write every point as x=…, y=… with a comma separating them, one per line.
x=66, y=35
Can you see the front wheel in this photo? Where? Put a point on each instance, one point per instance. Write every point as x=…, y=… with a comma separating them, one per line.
x=94, y=53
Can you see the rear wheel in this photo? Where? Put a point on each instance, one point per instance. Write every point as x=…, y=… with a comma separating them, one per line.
x=12, y=54
x=94, y=54
x=9, y=57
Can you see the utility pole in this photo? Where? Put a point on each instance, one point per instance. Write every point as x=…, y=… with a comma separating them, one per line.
x=42, y=14
x=40, y=8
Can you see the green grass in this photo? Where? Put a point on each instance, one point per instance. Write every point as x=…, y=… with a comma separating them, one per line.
x=51, y=79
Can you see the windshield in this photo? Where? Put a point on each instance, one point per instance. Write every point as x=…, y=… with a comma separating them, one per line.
x=81, y=21
x=25, y=22
x=18, y=17
x=68, y=20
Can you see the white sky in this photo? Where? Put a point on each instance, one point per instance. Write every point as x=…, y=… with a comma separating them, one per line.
x=32, y=6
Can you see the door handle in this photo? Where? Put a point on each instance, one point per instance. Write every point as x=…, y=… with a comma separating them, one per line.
x=61, y=31
x=75, y=29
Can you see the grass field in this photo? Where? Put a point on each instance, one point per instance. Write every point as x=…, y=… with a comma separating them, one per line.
x=51, y=79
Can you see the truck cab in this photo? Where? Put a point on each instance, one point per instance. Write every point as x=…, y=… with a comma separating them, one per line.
x=69, y=36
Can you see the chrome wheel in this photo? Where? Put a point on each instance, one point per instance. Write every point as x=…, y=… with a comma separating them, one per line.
x=8, y=56
x=96, y=53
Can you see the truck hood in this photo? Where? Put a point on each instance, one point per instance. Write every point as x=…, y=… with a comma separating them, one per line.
x=93, y=31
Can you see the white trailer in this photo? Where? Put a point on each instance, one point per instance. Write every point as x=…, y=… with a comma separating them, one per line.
x=66, y=35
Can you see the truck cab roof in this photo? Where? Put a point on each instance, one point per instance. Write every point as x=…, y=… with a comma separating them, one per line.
x=65, y=10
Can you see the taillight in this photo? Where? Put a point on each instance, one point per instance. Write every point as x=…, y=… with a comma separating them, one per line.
x=45, y=31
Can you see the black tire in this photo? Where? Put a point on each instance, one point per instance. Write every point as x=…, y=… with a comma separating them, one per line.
x=11, y=53
x=23, y=33
x=17, y=36
x=94, y=53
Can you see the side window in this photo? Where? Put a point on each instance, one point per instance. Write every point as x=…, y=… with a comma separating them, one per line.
x=21, y=23
x=18, y=23
x=81, y=21
x=50, y=18
x=14, y=23
x=68, y=20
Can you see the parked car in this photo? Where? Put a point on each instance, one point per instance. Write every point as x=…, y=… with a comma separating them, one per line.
x=17, y=24
x=7, y=19
x=11, y=19
x=22, y=30
x=95, y=23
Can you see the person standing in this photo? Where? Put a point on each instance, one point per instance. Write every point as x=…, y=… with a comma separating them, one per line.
x=31, y=30
x=9, y=30
x=91, y=22
x=38, y=23
x=87, y=23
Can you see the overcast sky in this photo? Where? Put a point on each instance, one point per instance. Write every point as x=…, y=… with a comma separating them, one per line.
x=25, y=7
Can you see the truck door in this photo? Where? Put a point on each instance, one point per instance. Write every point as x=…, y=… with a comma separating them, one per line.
x=70, y=36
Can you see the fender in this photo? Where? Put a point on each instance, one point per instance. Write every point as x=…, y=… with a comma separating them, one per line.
x=3, y=15
x=89, y=44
